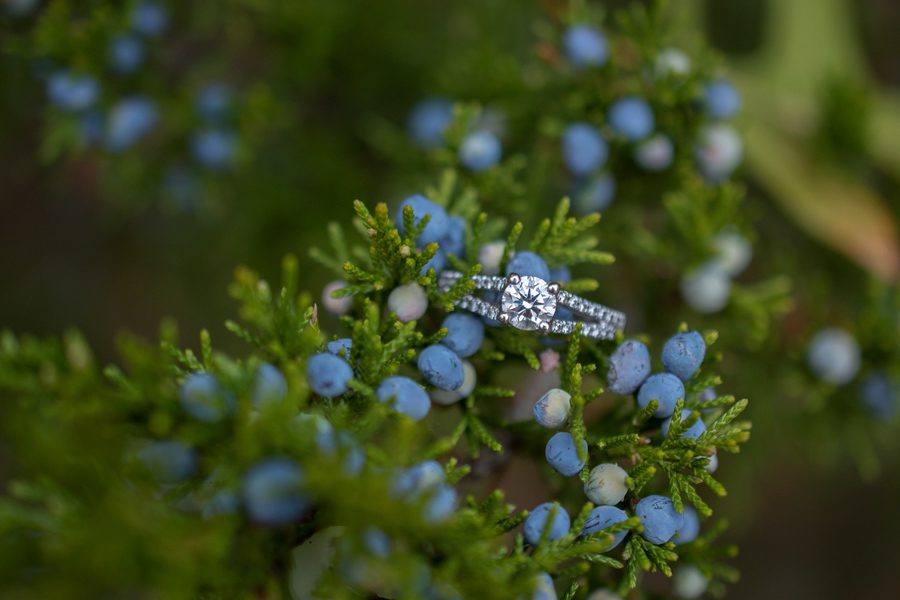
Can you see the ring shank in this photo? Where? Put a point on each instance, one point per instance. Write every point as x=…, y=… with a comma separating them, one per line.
x=600, y=322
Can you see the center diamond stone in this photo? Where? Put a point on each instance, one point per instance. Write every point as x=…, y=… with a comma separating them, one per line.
x=529, y=303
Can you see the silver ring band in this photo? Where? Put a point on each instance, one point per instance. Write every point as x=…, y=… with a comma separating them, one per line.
x=530, y=303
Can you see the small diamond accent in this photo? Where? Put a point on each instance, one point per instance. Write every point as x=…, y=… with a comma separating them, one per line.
x=528, y=303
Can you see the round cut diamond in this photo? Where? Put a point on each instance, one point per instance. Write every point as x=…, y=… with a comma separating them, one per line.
x=528, y=303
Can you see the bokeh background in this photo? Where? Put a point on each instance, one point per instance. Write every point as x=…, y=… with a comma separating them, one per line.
x=98, y=243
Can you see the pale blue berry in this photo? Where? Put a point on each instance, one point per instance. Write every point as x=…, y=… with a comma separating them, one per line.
x=584, y=149
x=672, y=62
x=214, y=148
x=719, y=151
x=447, y=397
x=270, y=386
x=585, y=46
x=690, y=527
x=707, y=288
x=479, y=151
x=354, y=459
x=659, y=518
x=129, y=121
x=606, y=516
x=126, y=53
x=562, y=454
x=441, y=367
x=629, y=367
x=490, y=255
x=419, y=479
x=733, y=251
x=438, y=221
x=224, y=502
x=441, y=504
x=834, y=356
x=543, y=587
x=561, y=274
x=606, y=484
x=408, y=396
x=149, y=18
x=528, y=263
x=692, y=432
x=204, y=399
x=409, y=302
x=538, y=519
x=632, y=118
x=689, y=582
x=272, y=492
x=594, y=195
x=721, y=99
x=340, y=347
x=169, y=461
x=552, y=409
x=655, y=153
x=428, y=120
x=465, y=333
x=328, y=374
x=683, y=354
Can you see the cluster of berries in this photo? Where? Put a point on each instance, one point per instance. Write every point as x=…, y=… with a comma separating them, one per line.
x=606, y=484
x=631, y=124
x=479, y=150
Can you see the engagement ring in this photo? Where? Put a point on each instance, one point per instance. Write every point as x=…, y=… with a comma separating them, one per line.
x=531, y=304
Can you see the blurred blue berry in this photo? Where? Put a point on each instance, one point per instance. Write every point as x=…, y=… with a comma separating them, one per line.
x=595, y=194
x=834, y=356
x=690, y=527
x=629, y=367
x=879, y=395
x=465, y=333
x=479, y=151
x=272, y=492
x=224, y=502
x=528, y=263
x=659, y=518
x=561, y=274
x=129, y=121
x=454, y=241
x=328, y=374
x=72, y=92
x=438, y=222
x=718, y=151
x=270, y=386
x=584, y=149
x=683, y=354
x=721, y=99
x=606, y=516
x=666, y=389
x=408, y=396
x=562, y=454
x=655, y=153
x=214, y=148
x=631, y=117
x=169, y=461
x=20, y=8
x=419, y=479
x=538, y=518
x=90, y=127
x=377, y=542
x=126, y=53
x=544, y=589
x=441, y=504
x=204, y=399
x=692, y=432
x=707, y=288
x=441, y=367
x=585, y=46
x=149, y=18
x=340, y=346
x=354, y=457
x=213, y=101
x=428, y=120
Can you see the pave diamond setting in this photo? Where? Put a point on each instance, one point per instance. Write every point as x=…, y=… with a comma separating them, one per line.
x=528, y=303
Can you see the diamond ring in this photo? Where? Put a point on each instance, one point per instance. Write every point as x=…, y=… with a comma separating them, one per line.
x=529, y=303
